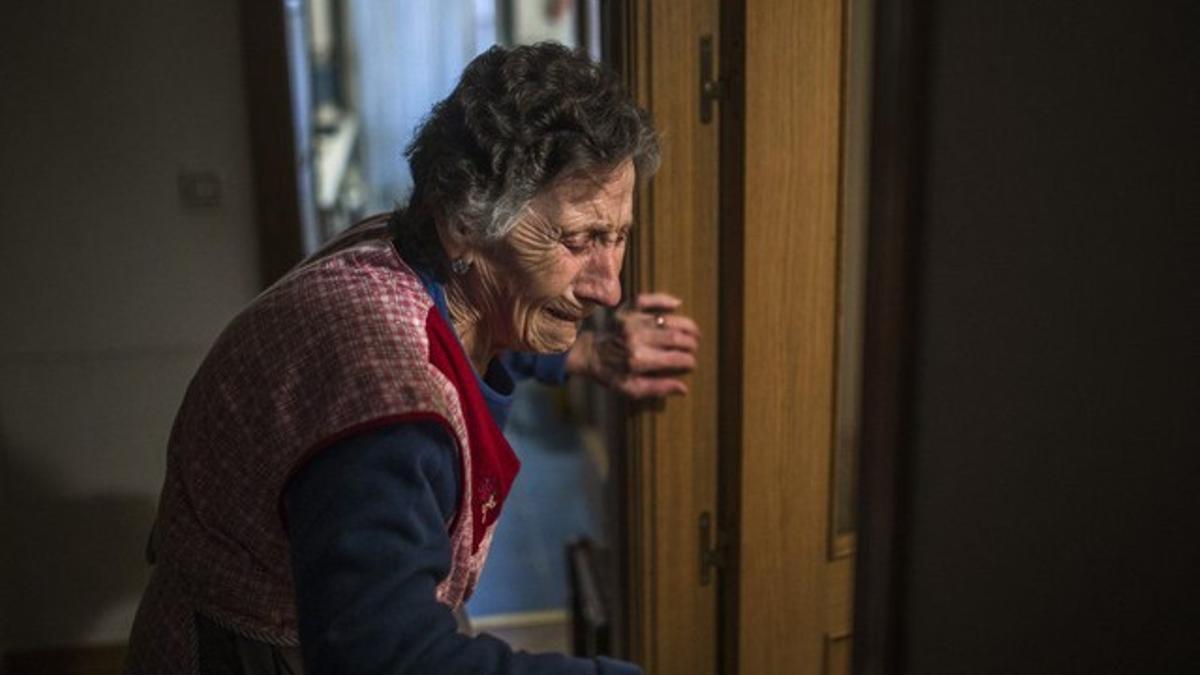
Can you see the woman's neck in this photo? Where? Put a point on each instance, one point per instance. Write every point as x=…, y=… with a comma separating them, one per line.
x=467, y=315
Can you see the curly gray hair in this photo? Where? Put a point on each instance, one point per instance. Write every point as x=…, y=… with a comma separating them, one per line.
x=518, y=120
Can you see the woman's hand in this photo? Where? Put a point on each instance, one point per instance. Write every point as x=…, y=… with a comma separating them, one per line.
x=644, y=350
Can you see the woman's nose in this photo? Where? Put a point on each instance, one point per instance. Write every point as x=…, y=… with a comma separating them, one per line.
x=600, y=281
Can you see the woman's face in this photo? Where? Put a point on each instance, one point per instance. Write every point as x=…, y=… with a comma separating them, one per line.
x=562, y=260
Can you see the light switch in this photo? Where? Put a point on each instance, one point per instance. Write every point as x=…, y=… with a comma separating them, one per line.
x=199, y=188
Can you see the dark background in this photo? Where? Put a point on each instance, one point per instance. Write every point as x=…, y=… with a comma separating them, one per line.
x=1051, y=484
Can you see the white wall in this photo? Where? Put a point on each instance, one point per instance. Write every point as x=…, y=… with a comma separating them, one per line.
x=111, y=288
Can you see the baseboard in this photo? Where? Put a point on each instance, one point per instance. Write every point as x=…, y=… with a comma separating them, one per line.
x=520, y=619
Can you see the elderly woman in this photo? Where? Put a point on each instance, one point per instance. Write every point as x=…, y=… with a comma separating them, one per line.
x=337, y=468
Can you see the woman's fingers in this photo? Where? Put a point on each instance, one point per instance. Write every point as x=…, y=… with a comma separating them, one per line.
x=656, y=302
x=646, y=387
x=670, y=338
x=656, y=346
x=652, y=305
x=651, y=359
x=647, y=307
x=637, y=323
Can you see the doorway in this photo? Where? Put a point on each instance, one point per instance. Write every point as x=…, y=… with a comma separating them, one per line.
x=364, y=75
x=723, y=522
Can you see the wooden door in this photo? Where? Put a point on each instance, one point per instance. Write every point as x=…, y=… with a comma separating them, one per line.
x=788, y=321
x=756, y=221
x=672, y=447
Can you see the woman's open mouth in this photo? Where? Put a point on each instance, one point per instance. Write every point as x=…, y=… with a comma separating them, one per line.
x=564, y=316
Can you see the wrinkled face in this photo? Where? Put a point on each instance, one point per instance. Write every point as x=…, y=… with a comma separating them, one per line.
x=562, y=260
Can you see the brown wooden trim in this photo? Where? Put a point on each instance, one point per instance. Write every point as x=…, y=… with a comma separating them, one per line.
x=833, y=645
x=836, y=548
x=893, y=228
x=841, y=546
x=793, y=66
x=618, y=50
x=633, y=61
x=857, y=27
x=272, y=136
x=731, y=274
x=673, y=449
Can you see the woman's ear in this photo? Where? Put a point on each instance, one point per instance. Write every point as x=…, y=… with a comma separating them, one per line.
x=454, y=237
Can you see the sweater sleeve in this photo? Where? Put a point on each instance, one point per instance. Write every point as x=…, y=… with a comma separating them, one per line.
x=545, y=368
x=368, y=522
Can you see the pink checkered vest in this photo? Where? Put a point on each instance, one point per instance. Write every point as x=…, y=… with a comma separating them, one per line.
x=348, y=341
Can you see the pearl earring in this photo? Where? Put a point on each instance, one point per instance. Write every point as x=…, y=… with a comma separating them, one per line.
x=460, y=266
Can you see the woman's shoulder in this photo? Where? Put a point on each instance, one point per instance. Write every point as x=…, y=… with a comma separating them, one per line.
x=358, y=277
x=356, y=305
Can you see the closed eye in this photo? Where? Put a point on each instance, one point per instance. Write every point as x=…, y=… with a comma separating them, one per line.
x=579, y=242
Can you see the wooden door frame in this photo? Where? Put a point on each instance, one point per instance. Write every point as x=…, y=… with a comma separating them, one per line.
x=899, y=83
x=783, y=67
x=732, y=323
x=788, y=603
x=672, y=446
x=272, y=135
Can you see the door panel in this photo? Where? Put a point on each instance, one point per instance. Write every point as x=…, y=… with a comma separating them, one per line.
x=672, y=466
x=794, y=581
x=752, y=221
